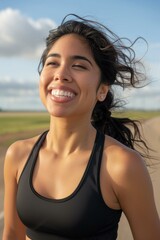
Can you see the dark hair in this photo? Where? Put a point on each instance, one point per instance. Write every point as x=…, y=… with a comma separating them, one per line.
x=118, y=66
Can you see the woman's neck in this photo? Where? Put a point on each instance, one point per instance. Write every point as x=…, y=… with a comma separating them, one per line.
x=66, y=136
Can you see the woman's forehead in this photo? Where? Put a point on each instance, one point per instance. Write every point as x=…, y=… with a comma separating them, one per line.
x=71, y=39
x=73, y=44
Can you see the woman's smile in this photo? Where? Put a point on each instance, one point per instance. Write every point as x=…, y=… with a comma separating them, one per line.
x=62, y=95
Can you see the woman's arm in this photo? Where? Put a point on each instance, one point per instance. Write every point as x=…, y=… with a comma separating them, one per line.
x=13, y=227
x=135, y=193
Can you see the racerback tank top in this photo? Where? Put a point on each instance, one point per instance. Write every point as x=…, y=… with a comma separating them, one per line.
x=82, y=215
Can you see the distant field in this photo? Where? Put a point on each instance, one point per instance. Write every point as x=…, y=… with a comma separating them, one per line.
x=138, y=115
x=13, y=122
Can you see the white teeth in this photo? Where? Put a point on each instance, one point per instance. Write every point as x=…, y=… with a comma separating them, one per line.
x=61, y=93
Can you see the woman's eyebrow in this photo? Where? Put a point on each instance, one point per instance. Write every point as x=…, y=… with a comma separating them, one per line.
x=74, y=57
x=79, y=57
x=53, y=55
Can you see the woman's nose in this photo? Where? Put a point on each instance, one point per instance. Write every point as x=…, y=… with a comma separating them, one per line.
x=62, y=74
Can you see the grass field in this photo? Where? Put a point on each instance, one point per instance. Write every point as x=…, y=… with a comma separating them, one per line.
x=138, y=115
x=13, y=122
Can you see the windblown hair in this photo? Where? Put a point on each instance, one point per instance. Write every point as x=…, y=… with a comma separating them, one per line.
x=118, y=66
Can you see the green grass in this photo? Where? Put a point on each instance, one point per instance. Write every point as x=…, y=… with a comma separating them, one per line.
x=13, y=122
x=21, y=125
x=137, y=115
x=22, y=121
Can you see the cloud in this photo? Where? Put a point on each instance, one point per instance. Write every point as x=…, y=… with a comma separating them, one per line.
x=12, y=87
x=147, y=98
x=19, y=95
x=21, y=35
x=154, y=71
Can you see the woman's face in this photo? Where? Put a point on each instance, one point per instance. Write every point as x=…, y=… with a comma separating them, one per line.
x=70, y=78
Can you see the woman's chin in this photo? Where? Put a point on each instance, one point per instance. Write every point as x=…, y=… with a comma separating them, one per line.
x=59, y=113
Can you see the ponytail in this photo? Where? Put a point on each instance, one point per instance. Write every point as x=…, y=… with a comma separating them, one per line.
x=124, y=130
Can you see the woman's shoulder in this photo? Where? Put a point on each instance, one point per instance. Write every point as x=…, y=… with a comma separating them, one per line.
x=121, y=161
x=17, y=154
x=19, y=147
x=126, y=170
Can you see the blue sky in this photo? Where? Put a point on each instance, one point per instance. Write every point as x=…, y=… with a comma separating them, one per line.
x=25, y=24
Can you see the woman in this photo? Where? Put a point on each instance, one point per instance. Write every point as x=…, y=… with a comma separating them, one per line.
x=74, y=181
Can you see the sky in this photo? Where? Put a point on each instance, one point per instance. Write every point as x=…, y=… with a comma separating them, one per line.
x=24, y=25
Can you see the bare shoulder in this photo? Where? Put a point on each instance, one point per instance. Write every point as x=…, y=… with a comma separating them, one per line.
x=17, y=154
x=122, y=156
x=124, y=165
x=132, y=187
x=21, y=147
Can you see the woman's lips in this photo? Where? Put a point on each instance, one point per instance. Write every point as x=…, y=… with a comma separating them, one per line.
x=62, y=94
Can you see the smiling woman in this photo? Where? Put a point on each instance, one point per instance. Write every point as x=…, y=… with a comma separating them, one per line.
x=74, y=180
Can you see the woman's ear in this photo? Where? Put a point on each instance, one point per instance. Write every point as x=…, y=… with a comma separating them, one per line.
x=102, y=92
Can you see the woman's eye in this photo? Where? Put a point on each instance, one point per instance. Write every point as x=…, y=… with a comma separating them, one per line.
x=79, y=66
x=52, y=63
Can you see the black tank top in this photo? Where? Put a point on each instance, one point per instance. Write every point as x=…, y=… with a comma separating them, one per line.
x=82, y=215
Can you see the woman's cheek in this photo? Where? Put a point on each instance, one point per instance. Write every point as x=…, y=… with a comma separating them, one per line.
x=44, y=80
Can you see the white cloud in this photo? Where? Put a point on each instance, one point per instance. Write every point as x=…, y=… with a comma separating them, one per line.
x=19, y=95
x=147, y=97
x=21, y=35
x=154, y=71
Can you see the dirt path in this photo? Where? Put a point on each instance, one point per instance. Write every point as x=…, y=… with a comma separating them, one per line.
x=151, y=129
